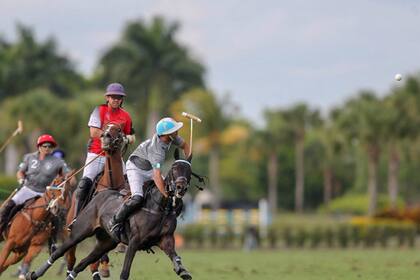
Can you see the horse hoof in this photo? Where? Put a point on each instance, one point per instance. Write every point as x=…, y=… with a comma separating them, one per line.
x=185, y=275
x=96, y=277
x=30, y=276
x=104, y=269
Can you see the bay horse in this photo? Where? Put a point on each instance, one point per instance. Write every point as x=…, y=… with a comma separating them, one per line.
x=31, y=227
x=152, y=225
x=112, y=142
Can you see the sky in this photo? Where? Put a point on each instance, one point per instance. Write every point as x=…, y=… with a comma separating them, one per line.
x=264, y=54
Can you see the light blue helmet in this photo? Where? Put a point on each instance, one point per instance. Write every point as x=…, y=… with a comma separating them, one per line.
x=167, y=126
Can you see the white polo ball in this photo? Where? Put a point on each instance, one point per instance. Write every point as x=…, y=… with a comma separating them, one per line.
x=398, y=77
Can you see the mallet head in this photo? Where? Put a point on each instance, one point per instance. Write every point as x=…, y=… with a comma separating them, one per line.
x=191, y=116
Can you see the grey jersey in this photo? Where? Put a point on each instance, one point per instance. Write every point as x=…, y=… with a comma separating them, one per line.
x=152, y=152
x=40, y=173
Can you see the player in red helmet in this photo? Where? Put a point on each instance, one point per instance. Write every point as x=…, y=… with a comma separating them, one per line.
x=35, y=173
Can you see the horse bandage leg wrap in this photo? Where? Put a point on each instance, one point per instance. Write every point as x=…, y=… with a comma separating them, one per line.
x=72, y=275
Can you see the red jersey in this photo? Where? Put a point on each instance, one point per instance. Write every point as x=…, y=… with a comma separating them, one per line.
x=103, y=115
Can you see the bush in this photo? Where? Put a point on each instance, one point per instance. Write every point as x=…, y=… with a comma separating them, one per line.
x=7, y=185
x=356, y=204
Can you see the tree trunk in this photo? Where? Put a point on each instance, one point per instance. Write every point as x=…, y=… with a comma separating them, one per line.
x=393, y=168
x=272, y=183
x=214, y=176
x=299, y=191
x=373, y=159
x=11, y=162
x=328, y=175
x=152, y=119
x=155, y=108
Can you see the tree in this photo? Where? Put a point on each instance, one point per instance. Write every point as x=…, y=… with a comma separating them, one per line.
x=28, y=64
x=204, y=104
x=403, y=119
x=332, y=142
x=269, y=141
x=300, y=118
x=153, y=66
x=364, y=119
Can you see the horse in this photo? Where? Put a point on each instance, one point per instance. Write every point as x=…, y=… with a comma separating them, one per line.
x=57, y=229
x=31, y=227
x=112, y=142
x=152, y=225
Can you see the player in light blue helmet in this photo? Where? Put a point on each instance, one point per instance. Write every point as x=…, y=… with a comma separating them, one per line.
x=145, y=164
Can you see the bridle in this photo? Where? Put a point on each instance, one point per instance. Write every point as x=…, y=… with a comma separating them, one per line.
x=112, y=143
x=173, y=183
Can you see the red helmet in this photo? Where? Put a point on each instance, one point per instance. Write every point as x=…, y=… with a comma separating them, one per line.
x=45, y=138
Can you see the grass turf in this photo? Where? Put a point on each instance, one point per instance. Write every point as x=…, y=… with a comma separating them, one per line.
x=267, y=265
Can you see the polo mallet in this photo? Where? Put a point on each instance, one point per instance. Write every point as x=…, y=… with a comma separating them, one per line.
x=18, y=130
x=192, y=119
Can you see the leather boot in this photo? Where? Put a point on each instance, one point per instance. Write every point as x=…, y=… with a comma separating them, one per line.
x=115, y=224
x=5, y=214
x=81, y=194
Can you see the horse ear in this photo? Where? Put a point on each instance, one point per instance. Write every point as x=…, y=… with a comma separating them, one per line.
x=189, y=158
x=176, y=154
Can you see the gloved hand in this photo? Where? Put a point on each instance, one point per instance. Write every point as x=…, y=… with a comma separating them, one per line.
x=131, y=138
x=20, y=181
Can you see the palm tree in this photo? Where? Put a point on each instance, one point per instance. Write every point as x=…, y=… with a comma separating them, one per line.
x=402, y=122
x=268, y=142
x=35, y=64
x=364, y=118
x=204, y=104
x=152, y=65
x=332, y=141
x=299, y=118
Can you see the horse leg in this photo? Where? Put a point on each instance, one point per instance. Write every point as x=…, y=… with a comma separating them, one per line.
x=33, y=251
x=70, y=257
x=167, y=244
x=94, y=269
x=103, y=245
x=8, y=246
x=11, y=260
x=128, y=259
x=74, y=239
x=104, y=266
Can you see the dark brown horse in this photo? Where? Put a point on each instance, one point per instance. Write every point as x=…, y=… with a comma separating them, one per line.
x=31, y=227
x=153, y=225
x=112, y=142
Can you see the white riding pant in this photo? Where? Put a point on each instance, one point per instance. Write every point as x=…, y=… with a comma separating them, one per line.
x=137, y=177
x=97, y=166
x=24, y=194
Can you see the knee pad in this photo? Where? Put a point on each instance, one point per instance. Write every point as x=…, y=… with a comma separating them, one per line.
x=83, y=187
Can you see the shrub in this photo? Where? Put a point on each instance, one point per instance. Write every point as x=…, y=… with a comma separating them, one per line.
x=356, y=204
x=7, y=185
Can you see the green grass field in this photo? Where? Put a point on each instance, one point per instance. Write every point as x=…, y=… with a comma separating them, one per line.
x=274, y=265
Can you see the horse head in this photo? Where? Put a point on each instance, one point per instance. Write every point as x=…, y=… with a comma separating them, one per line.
x=58, y=196
x=56, y=199
x=112, y=138
x=179, y=176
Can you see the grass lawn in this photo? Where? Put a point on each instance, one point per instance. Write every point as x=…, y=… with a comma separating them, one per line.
x=266, y=265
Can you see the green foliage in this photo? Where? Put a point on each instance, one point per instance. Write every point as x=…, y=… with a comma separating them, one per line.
x=27, y=64
x=152, y=65
x=7, y=185
x=354, y=204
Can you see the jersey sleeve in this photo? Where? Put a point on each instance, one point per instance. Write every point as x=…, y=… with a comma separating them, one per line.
x=156, y=160
x=95, y=119
x=178, y=141
x=23, y=166
x=128, y=127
